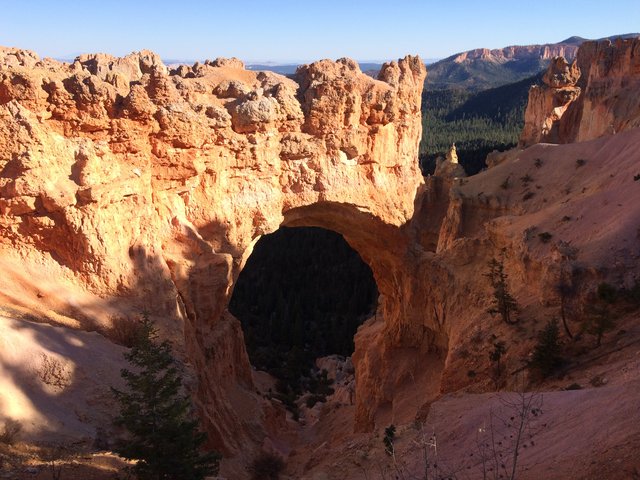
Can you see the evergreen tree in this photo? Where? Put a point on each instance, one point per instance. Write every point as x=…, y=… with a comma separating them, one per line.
x=599, y=317
x=503, y=302
x=547, y=352
x=163, y=434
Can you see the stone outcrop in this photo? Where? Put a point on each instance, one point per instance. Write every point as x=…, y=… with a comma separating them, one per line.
x=594, y=96
x=135, y=181
x=448, y=167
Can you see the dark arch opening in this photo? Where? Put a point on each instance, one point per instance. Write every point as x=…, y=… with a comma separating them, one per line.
x=301, y=295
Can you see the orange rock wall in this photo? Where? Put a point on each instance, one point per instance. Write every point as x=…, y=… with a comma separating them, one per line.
x=596, y=95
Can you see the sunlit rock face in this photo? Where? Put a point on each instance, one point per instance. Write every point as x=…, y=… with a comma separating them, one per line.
x=132, y=180
x=596, y=95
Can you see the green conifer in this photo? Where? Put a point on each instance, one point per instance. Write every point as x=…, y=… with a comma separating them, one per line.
x=547, y=352
x=163, y=436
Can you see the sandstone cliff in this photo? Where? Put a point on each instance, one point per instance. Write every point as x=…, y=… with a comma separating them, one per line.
x=594, y=96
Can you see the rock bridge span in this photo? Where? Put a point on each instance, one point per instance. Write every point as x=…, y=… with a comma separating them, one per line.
x=136, y=181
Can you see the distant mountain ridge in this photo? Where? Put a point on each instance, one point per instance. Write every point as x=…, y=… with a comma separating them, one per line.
x=483, y=68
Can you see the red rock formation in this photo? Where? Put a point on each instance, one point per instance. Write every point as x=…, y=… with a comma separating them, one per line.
x=149, y=186
x=547, y=103
x=132, y=180
x=602, y=100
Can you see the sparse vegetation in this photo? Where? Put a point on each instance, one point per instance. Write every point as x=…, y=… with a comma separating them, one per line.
x=56, y=455
x=580, y=162
x=537, y=162
x=10, y=431
x=53, y=371
x=547, y=354
x=508, y=432
x=162, y=434
x=499, y=349
x=266, y=466
x=600, y=317
x=505, y=184
x=545, y=237
x=565, y=289
x=528, y=196
x=124, y=330
x=388, y=439
x=504, y=304
x=526, y=179
x=636, y=177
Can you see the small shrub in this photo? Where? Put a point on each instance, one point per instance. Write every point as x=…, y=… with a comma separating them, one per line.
x=632, y=295
x=607, y=293
x=10, y=431
x=574, y=386
x=546, y=356
x=527, y=196
x=266, y=466
x=313, y=399
x=53, y=372
x=499, y=349
x=599, y=320
x=580, y=162
x=545, y=237
x=598, y=381
x=124, y=330
x=505, y=184
x=566, y=218
x=389, y=437
x=636, y=177
x=537, y=162
x=526, y=179
x=55, y=455
x=471, y=374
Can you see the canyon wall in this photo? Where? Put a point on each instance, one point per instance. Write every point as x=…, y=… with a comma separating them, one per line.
x=149, y=186
x=146, y=188
x=594, y=96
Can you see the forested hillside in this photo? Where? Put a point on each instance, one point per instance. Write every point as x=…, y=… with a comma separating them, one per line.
x=477, y=122
x=302, y=295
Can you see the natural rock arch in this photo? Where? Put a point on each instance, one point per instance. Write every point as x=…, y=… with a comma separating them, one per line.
x=132, y=180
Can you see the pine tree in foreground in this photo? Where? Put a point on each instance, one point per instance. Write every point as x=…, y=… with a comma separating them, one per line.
x=163, y=434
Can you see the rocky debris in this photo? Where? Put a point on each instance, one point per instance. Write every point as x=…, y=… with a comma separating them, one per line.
x=595, y=95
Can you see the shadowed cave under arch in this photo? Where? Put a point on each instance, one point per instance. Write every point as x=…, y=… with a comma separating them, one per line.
x=301, y=295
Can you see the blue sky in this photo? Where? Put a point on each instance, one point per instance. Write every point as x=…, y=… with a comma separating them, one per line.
x=295, y=31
